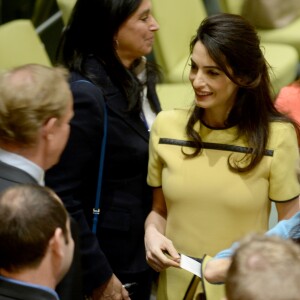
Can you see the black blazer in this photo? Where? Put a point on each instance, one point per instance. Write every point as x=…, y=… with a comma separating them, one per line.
x=70, y=288
x=126, y=197
x=14, y=291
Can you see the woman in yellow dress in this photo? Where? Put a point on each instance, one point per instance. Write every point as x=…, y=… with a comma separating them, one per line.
x=215, y=168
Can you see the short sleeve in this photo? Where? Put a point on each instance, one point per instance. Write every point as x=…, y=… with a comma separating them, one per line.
x=155, y=163
x=284, y=184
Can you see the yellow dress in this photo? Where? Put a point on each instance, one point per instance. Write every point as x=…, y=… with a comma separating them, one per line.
x=209, y=206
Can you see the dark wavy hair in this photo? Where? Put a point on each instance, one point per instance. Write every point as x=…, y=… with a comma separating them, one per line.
x=233, y=44
x=90, y=32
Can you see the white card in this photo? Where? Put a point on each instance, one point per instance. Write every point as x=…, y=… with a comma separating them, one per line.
x=190, y=265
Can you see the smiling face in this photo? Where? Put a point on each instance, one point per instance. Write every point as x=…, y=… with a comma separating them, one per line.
x=135, y=36
x=214, y=91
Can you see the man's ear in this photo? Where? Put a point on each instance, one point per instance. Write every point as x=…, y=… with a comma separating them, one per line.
x=48, y=127
x=57, y=242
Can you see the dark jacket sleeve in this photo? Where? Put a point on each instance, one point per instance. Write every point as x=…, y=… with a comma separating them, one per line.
x=74, y=178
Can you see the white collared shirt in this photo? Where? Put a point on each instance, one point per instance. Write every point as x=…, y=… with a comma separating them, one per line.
x=23, y=164
x=148, y=114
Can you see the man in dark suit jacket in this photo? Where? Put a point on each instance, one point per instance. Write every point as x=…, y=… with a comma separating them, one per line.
x=35, y=111
x=27, y=274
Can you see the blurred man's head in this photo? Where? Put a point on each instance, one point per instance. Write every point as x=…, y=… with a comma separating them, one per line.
x=35, y=110
x=34, y=227
x=264, y=267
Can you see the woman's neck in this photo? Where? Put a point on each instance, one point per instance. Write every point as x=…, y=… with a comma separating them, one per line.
x=214, y=122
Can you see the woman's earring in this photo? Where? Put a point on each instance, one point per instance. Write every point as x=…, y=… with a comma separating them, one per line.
x=116, y=44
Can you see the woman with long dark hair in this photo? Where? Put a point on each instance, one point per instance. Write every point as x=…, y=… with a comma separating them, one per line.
x=104, y=46
x=216, y=168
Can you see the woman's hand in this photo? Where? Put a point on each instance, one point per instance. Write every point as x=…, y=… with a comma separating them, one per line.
x=160, y=252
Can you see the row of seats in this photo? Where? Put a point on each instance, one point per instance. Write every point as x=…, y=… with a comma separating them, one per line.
x=171, y=47
x=21, y=44
x=288, y=34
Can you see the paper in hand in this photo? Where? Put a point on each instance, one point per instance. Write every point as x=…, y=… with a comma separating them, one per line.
x=190, y=265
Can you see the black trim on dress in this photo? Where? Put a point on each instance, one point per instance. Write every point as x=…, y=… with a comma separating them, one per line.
x=213, y=146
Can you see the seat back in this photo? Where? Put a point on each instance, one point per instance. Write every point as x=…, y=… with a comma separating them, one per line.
x=288, y=34
x=232, y=6
x=66, y=7
x=178, y=22
x=20, y=44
